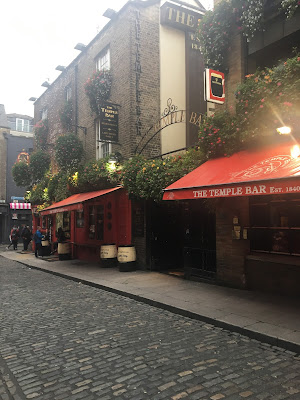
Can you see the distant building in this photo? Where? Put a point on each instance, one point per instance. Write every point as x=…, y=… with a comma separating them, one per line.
x=16, y=144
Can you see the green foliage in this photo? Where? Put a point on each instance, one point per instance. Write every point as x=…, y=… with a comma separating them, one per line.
x=68, y=152
x=21, y=175
x=66, y=116
x=39, y=193
x=146, y=179
x=41, y=131
x=97, y=88
x=246, y=16
x=39, y=163
x=96, y=175
x=265, y=101
x=289, y=7
x=214, y=35
x=59, y=187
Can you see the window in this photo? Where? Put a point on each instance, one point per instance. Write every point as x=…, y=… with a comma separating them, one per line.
x=275, y=224
x=96, y=222
x=44, y=113
x=103, y=60
x=79, y=219
x=23, y=125
x=103, y=148
x=68, y=92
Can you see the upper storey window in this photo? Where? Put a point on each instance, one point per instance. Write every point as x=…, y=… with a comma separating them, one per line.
x=103, y=60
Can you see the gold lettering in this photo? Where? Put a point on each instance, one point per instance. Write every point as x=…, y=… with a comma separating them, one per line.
x=180, y=16
x=170, y=13
x=193, y=118
x=190, y=20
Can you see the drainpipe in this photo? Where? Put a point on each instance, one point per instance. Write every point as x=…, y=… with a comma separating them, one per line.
x=76, y=98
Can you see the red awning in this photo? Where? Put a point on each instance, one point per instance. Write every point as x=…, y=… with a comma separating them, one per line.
x=75, y=202
x=252, y=172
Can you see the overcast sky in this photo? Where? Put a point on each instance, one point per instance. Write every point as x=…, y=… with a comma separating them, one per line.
x=38, y=35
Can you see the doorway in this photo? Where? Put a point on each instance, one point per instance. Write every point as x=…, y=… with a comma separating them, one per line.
x=183, y=239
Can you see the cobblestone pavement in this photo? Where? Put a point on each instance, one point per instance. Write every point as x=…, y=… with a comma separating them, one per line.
x=63, y=340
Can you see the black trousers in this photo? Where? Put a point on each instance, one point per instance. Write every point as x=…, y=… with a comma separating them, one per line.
x=38, y=248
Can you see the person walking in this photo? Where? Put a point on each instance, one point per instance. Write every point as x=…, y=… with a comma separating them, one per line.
x=26, y=236
x=14, y=237
x=38, y=241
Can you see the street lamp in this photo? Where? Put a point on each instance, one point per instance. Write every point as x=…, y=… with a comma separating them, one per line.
x=284, y=130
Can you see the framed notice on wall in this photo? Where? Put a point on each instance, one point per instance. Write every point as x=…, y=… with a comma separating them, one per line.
x=214, y=86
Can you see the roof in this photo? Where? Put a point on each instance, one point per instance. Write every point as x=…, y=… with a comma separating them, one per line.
x=75, y=201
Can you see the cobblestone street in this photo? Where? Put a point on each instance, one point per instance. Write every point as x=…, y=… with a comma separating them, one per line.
x=63, y=340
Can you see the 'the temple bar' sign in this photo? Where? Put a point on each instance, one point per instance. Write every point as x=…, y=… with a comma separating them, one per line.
x=109, y=123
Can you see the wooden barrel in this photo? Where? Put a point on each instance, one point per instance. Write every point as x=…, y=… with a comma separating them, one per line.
x=108, y=255
x=64, y=251
x=126, y=258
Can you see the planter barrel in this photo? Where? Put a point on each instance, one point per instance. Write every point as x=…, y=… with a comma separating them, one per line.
x=108, y=255
x=126, y=258
x=64, y=251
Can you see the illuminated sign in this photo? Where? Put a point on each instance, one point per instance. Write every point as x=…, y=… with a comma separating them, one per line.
x=214, y=86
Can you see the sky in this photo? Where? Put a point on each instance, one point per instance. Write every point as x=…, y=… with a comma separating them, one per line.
x=38, y=35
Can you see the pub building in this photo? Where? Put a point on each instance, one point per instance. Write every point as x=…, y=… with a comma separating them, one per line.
x=256, y=199
x=88, y=221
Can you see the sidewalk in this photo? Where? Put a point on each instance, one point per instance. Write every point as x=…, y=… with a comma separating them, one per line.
x=268, y=318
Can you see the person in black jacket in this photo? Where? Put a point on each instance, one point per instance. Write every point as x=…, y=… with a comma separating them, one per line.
x=26, y=236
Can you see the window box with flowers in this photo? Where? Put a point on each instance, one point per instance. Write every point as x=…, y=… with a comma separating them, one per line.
x=97, y=88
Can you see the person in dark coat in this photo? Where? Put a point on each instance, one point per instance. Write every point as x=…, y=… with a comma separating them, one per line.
x=26, y=236
x=14, y=234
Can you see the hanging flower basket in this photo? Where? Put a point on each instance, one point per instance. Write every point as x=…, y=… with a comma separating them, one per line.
x=97, y=88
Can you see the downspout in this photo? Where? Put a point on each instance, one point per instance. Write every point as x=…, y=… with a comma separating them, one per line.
x=76, y=99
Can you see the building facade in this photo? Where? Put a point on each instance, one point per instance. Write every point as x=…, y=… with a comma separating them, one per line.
x=150, y=50
x=255, y=193
x=17, y=144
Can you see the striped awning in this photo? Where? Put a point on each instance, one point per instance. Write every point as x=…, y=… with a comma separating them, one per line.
x=20, y=206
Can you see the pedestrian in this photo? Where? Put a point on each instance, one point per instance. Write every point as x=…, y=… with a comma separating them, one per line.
x=14, y=237
x=26, y=236
x=38, y=241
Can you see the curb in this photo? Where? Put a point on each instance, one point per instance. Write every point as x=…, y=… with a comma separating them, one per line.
x=261, y=337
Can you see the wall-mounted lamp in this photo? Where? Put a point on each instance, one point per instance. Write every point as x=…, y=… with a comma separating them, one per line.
x=284, y=130
x=295, y=151
x=45, y=84
x=60, y=68
x=33, y=99
x=80, y=46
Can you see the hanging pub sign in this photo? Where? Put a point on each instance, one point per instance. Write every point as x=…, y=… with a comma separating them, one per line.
x=214, y=86
x=109, y=123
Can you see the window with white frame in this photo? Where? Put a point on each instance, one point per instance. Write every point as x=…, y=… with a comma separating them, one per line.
x=44, y=114
x=103, y=60
x=22, y=125
x=103, y=148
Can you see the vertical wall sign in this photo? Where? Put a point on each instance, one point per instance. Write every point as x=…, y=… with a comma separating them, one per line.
x=138, y=71
x=214, y=86
x=109, y=123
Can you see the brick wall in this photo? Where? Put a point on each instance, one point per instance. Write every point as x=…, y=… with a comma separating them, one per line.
x=231, y=253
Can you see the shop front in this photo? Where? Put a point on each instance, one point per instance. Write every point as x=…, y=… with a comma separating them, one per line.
x=85, y=221
x=256, y=196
